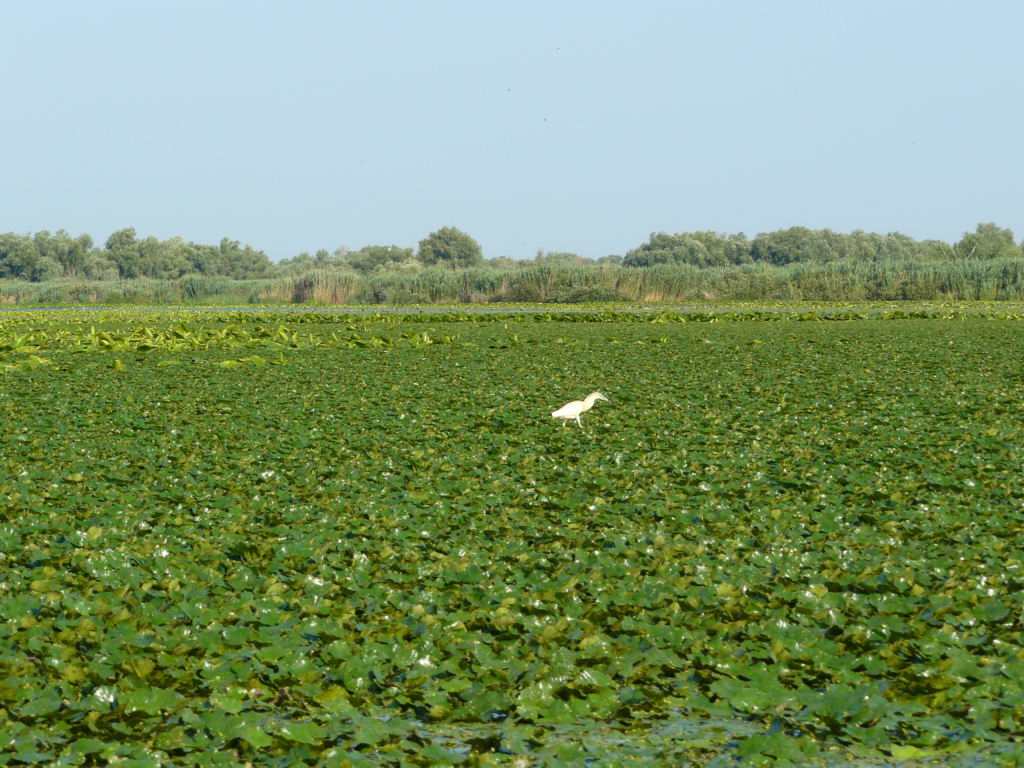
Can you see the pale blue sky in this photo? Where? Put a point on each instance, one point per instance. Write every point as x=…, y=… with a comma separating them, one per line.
x=579, y=125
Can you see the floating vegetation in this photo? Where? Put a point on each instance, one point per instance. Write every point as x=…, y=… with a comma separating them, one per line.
x=348, y=540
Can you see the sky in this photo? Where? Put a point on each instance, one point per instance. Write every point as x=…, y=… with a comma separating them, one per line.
x=562, y=125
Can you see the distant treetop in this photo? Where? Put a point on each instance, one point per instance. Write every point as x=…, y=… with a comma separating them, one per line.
x=450, y=247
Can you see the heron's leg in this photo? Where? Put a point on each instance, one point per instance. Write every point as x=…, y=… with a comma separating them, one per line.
x=579, y=422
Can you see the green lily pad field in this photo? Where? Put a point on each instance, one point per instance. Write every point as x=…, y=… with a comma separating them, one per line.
x=232, y=539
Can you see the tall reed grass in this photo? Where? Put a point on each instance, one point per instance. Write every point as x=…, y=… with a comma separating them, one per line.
x=193, y=289
x=997, y=279
x=319, y=287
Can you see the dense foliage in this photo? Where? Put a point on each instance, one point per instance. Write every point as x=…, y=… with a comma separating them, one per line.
x=450, y=247
x=319, y=539
x=45, y=257
x=803, y=245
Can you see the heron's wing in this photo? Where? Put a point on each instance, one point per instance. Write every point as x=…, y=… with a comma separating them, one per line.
x=569, y=410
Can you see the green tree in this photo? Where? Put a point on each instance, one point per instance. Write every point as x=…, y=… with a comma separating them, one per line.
x=800, y=244
x=295, y=265
x=122, y=248
x=152, y=261
x=68, y=253
x=371, y=257
x=73, y=253
x=205, y=259
x=19, y=256
x=724, y=250
x=242, y=262
x=450, y=247
x=663, y=248
x=987, y=241
x=701, y=249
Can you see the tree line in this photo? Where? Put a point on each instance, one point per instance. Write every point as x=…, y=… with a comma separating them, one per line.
x=818, y=246
x=45, y=256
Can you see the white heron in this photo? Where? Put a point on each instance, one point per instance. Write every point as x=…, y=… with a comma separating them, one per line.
x=576, y=407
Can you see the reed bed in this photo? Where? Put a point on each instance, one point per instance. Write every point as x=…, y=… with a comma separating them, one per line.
x=193, y=289
x=993, y=280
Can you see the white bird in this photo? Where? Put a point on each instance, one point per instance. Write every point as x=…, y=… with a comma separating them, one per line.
x=576, y=407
